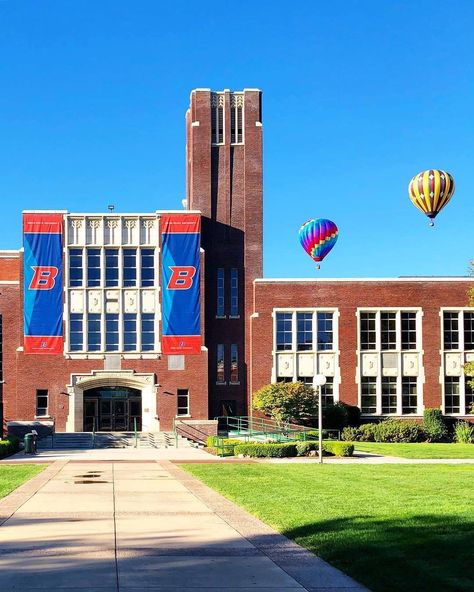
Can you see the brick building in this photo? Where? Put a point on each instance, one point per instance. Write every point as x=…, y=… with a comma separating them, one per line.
x=390, y=346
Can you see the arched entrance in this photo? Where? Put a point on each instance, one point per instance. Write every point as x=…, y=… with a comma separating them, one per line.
x=112, y=409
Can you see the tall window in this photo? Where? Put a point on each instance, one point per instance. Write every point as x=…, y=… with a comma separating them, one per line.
x=220, y=364
x=76, y=332
x=327, y=392
x=147, y=268
x=111, y=268
x=325, y=330
x=93, y=332
x=389, y=394
x=220, y=293
x=304, y=331
x=408, y=330
x=388, y=328
x=130, y=332
x=183, y=402
x=234, y=364
x=217, y=118
x=129, y=268
x=75, y=268
x=41, y=402
x=369, y=394
x=148, y=332
x=234, y=292
x=284, y=337
x=367, y=331
x=236, y=118
x=458, y=344
x=111, y=332
x=93, y=268
x=409, y=395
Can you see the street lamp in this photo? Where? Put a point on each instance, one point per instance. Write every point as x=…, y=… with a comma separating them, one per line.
x=320, y=381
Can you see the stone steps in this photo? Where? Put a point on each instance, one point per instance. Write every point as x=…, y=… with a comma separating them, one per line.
x=87, y=441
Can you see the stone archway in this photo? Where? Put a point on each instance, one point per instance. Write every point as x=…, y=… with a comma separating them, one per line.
x=80, y=383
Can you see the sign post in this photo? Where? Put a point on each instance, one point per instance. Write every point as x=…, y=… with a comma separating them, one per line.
x=320, y=381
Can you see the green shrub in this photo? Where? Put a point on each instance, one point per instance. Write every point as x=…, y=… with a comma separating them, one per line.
x=304, y=448
x=351, y=434
x=434, y=425
x=367, y=432
x=399, y=430
x=337, y=448
x=210, y=441
x=9, y=446
x=464, y=432
x=353, y=415
x=335, y=416
x=256, y=450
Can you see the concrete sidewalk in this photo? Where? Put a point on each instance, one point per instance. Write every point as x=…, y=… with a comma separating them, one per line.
x=122, y=526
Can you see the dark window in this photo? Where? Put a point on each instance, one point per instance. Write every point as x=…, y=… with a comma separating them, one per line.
x=111, y=332
x=234, y=364
x=284, y=330
x=220, y=364
x=236, y=122
x=327, y=392
x=408, y=330
x=409, y=395
x=217, y=119
x=76, y=332
x=183, y=402
x=129, y=332
x=468, y=330
x=304, y=331
x=93, y=332
x=451, y=330
x=148, y=332
x=41, y=402
x=147, y=268
x=93, y=268
x=75, y=267
x=388, y=327
x=389, y=394
x=368, y=394
x=129, y=268
x=234, y=292
x=451, y=394
x=367, y=330
x=220, y=312
x=111, y=267
x=325, y=333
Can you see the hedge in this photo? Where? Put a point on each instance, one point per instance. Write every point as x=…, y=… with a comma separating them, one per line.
x=9, y=446
x=389, y=430
x=287, y=449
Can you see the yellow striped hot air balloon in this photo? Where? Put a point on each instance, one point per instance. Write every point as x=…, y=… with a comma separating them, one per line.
x=430, y=191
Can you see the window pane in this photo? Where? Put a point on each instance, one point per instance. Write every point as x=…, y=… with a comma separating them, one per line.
x=409, y=395
x=93, y=267
x=75, y=267
x=234, y=292
x=234, y=364
x=148, y=332
x=111, y=267
x=41, y=402
x=389, y=394
x=451, y=394
x=147, y=267
x=220, y=293
x=183, y=402
x=129, y=332
x=129, y=267
x=388, y=330
x=284, y=330
x=93, y=332
x=327, y=392
x=451, y=330
x=220, y=371
x=408, y=320
x=367, y=330
x=468, y=330
x=304, y=331
x=76, y=334
x=368, y=394
x=111, y=332
x=325, y=332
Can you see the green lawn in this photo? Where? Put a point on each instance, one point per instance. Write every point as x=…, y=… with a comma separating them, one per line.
x=391, y=527
x=12, y=476
x=422, y=450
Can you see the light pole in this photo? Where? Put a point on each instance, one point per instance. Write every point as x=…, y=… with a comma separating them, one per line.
x=319, y=381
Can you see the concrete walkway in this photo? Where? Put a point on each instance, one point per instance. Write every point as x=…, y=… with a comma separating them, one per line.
x=124, y=527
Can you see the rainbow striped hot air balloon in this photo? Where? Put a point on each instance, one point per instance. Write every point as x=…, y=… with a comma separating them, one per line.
x=318, y=237
x=430, y=191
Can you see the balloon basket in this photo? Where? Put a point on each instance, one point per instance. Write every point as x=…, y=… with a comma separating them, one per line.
x=431, y=223
x=318, y=266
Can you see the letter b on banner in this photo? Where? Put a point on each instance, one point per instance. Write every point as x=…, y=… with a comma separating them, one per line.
x=181, y=277
x=43, y=278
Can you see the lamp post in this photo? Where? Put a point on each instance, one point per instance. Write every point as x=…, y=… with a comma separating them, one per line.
x=319, y=381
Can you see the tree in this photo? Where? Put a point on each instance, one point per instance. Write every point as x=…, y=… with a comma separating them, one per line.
x=286, y=401
x=469, y=366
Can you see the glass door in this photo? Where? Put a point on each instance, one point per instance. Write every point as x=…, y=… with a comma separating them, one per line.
x=120, y=415
x=90, y=415
x=105, y=415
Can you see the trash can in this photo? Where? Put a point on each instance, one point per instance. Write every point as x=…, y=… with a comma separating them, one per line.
x=29, y=444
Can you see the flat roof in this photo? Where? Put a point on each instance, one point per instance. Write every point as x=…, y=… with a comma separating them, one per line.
x=416, y=278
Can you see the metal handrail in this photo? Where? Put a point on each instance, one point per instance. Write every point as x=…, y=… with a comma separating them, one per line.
x=135, y=431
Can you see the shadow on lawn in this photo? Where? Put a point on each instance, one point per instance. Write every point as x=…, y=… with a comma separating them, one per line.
x=425, y=553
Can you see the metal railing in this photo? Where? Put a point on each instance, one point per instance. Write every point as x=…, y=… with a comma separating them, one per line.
x=261, y=428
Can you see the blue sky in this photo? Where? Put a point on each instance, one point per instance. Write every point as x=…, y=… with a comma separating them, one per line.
x=359, y=96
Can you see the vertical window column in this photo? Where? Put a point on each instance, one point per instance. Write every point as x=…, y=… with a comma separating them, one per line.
x=234, y=364
x=234, y=292
x=220, y=312
x=220, y=364
x=183, y=402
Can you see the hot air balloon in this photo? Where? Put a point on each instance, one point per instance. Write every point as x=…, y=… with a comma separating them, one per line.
x=318, y=237
x=430, y=191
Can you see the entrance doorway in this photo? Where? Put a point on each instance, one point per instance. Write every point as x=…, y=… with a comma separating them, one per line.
x=112, y=409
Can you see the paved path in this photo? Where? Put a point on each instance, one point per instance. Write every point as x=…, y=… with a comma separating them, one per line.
x=124, y=527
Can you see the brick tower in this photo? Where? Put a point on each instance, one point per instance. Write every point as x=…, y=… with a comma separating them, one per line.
x=224, y=182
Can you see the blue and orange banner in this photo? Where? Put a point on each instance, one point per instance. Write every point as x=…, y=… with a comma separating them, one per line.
x=43, y=283
x=181, y=286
